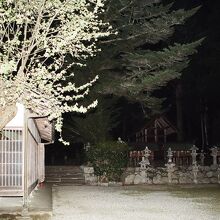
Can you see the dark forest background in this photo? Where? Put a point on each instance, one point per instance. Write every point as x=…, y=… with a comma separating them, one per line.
x=193, y=101
x=200, y=82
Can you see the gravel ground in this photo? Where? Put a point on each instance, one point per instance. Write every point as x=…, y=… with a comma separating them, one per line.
x=136, y=203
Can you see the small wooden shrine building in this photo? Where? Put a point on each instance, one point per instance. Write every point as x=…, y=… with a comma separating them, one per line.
x=158, y=131
x=22, y=144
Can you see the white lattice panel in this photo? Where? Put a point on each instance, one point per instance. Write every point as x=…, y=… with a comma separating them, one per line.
x=11, y=159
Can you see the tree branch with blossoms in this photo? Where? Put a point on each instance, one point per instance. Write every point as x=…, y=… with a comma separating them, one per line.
x=35, y=39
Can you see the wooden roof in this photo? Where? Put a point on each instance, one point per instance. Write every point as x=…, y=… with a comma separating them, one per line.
x=161, y=122
x=45, y=128
x=13, y=117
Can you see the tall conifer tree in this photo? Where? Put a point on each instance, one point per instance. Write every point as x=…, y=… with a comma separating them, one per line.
x=142, y=57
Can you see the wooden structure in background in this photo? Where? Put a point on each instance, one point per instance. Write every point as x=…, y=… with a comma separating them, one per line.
x=156, y=131
x=22, y=152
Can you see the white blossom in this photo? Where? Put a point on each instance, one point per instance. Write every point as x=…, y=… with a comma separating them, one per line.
x=36, y=37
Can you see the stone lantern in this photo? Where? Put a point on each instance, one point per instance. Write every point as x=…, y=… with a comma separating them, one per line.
x=202, y=157
x=194, y=154
x=145, y=163
x=87, y=147
x=170, y=165
x=218, y=173
x=195, y=167
x=170, y=155
x=214, y=154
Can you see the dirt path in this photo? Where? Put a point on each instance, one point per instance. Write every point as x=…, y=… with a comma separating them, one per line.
x=133, y=203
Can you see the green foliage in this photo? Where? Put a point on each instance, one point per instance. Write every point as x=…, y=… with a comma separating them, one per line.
x=142, y=57
x=96, y=125
x=109, y=158
x=149, y=70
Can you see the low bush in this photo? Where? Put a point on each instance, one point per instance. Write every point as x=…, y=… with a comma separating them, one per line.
x=109, y=158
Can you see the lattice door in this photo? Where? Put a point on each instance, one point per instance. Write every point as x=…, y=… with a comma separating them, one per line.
x=11, y=161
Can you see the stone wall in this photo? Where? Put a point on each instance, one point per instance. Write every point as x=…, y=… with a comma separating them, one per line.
x=92, y=179
x=89, y=175
x=134, y=176
x=181, y=175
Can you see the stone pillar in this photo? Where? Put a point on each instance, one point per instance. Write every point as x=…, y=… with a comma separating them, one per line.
x=195, y=167
x=87, y=147
x=89, y=176
x=194, y=154
x=170, y=165
x=218, y=172
x=170, y=170
x=169, y=155
x=145, y=164
x=214, y=154
x=147, y=153
x=202, y=158
x=195, y=170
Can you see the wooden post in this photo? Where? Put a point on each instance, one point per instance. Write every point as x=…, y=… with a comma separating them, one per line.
x=25, y=162
x=155, y=132
x=25, y=214
x=146, y=135
x=165, y=135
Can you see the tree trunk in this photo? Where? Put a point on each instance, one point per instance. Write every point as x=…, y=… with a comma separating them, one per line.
x=179, y=112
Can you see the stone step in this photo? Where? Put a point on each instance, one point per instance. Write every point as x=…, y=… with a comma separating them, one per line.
x=64, y=177
x=64, y=168
x=66, y=171
x=63, y=171
x=74, y=175
x=65, y=180
x=68, y=180
x=68, y=184
x=64, y=174
x=53, y=180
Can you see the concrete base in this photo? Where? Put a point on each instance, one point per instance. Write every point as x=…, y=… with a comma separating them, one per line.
x=40, y=204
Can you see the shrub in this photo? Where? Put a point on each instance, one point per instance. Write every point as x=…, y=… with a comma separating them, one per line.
x=109, y=158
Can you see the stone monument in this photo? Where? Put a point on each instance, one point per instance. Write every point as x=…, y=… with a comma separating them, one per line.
x=170, y=165
x=195, y=167
x=214, y=154
x=202, y=157
x=145, y=164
